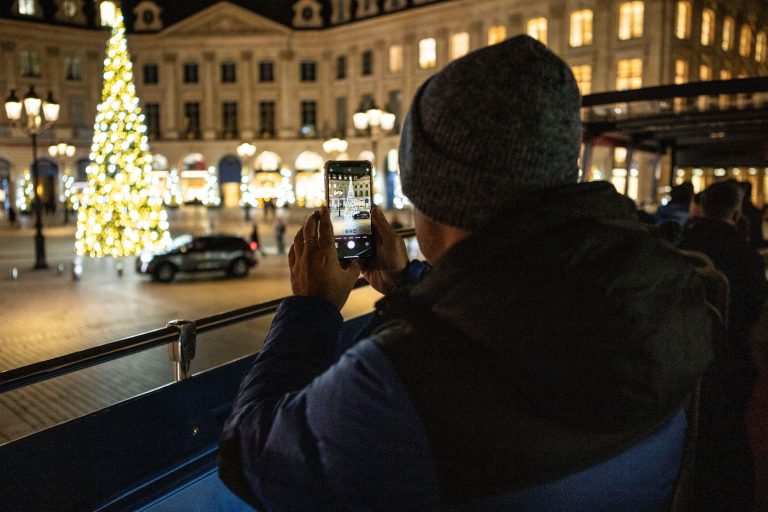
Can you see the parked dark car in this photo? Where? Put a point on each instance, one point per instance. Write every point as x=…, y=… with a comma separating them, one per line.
x=205, y=253
x=362, y=215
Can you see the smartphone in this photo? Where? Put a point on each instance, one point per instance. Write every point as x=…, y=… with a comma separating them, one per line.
x=349, y=196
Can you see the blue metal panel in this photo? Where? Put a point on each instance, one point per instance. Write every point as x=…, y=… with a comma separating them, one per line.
x=124, y=456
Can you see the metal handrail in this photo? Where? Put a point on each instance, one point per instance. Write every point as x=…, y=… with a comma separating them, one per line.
x=68, y=363
x=692, y=89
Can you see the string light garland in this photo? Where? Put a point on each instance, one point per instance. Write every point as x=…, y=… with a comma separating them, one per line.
x=120, y=213
x=26, y=194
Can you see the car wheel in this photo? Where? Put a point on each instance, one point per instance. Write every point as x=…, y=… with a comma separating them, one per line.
x=239, y=268
x=165, y=272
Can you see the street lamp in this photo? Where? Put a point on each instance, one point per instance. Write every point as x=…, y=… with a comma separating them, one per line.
x=35, y=123
x=62, y=152
x=245, y=151
x=375, y=122
x=335, y=147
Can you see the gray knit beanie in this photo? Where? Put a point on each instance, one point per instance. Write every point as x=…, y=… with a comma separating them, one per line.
x=493, y=124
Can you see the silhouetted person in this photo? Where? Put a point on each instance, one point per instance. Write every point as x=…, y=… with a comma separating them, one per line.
x=678, y=207
x=280, y=234
x=255, y=238
x=754, y=216
x=726, y=470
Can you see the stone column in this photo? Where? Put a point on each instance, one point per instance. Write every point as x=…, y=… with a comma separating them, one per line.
x=288, y=102
x=8, y=49
x=604, y=29
x=209, y=96
x=443, y=42
x=52, y=72
x=379, y=70
x=94, y=66
x=409, y=69
x=170, y=81
x=246, y=97
x=326, y=103
x=476, y=36
x=555, y=29
x=353, y=77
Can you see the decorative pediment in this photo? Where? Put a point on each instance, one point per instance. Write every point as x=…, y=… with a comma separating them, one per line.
x=225, y=18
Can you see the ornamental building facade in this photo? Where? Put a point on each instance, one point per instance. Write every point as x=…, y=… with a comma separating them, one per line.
x=285, y=76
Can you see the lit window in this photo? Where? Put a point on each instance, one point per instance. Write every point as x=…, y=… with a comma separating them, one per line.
x=683, y=20
x=681, y=71
x=631, y=20
x=427, y=53
x=705, y=72
x=27, y=7
x=760, y=47
x=707, y=27
x=745, y=41
x=497, y=34
x=583, y=76
x=581, y=28
x=107, y=14
x=629, y=74
x=728, y=27
x=459, y=45
x=537, y=29
x=395, y=58
x=725, y=74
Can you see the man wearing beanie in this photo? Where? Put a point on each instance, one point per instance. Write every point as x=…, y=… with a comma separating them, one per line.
x=539, y=360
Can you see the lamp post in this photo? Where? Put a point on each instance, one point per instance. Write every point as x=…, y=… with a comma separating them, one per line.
x=245, y=151
x=375, y=122
x=40, y=114
x=62, y=152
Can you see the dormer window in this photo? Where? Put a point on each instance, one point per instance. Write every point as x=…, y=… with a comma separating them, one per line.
x=147, y=17
x=70, y=11
x=27, y=7
x=107, y=14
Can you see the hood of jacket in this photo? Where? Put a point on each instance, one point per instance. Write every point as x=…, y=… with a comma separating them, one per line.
x=549, y=340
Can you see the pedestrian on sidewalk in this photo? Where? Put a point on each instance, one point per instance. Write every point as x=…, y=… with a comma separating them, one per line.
x=280, y=234
x=255, y=238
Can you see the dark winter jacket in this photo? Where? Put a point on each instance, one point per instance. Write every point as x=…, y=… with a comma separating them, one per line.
x=535, y=358
x=743, y=267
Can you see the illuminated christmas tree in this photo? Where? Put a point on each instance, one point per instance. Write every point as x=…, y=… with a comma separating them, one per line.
x=120, y=215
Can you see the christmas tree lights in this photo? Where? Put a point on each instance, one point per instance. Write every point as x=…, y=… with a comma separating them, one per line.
x=120, y=215
x=25, y=194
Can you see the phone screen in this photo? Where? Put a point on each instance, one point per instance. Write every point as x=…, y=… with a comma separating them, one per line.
x=349, y=195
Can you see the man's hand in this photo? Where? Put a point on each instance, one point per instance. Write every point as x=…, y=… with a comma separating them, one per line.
x=315, y=268
x=387, y=267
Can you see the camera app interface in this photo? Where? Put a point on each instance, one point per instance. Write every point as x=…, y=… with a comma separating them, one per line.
x=349, y=201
